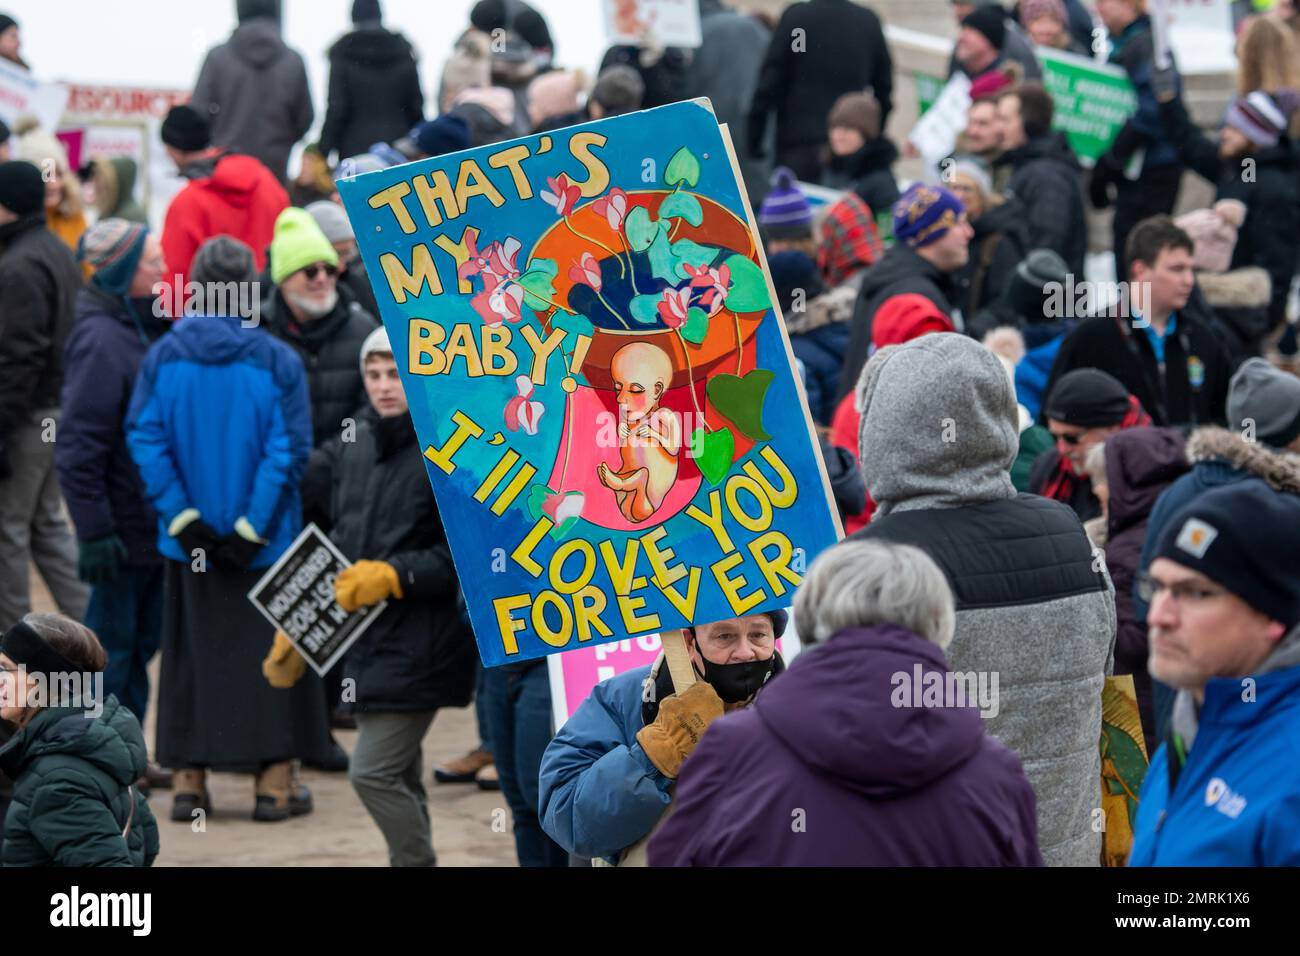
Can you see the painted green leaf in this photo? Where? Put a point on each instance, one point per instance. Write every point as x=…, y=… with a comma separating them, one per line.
x=682, y=206
x=645, y=309
x=576, y=324
x=544, y=265
x=713, y=452
x=640, y=228
x=663, y=263
x=682, y=168
x=740, y=400
x=537, y=496
x=696, y=326
x=748, y=286
x=692, y=254
x=539, y=289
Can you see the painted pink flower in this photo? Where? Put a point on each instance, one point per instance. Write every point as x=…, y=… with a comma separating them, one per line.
x=522, y=411
x=674, y=306
x=562, y=506
x=495, y=264
x=586, y=270
x=562, y=195
x=714, y=282
x=499, y=302
x=613, y=207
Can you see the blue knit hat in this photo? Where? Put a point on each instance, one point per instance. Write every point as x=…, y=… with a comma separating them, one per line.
x=1239, y=536
x=785, y=213
x=112, y=247
x=924, y=213
x=447, y=133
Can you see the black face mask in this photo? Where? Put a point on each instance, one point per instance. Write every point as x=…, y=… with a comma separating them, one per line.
x=739, y=682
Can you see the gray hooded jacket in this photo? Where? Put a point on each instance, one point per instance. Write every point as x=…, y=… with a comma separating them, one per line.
x=253, y=90
x=1034, y=606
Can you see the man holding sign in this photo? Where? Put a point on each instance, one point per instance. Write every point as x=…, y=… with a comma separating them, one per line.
x=608, y=776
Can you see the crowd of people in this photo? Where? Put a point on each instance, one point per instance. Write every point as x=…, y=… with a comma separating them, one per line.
x=1059, y=497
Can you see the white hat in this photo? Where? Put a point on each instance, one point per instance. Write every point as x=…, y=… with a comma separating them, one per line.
x=376, y=343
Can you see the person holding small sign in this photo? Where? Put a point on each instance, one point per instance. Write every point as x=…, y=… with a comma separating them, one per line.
x=418, y=655
x=608, y=777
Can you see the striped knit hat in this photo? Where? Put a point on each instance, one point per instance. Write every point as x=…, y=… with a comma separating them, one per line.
x=785, y=213
x=112, y=247
x=1258, y=117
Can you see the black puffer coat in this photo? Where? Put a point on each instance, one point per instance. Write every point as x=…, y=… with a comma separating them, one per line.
x=419, y=654
x=1046, y=178
x=374, y=92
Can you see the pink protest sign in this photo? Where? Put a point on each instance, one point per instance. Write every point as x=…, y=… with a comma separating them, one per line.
x=576, y=672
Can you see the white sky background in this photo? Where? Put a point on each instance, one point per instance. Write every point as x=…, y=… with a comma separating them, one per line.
x=163, y=42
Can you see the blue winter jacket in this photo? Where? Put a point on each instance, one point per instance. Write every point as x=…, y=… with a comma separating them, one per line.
x=599, y=792
x=221, y=421
x=1237, y=800
x=1035, y=368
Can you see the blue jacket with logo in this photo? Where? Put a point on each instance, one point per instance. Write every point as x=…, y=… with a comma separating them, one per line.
x=221, y=421
x=1237, y=800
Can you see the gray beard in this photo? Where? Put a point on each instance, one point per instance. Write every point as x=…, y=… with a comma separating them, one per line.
x=311, y=309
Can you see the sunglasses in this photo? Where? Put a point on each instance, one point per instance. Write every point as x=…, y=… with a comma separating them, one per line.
x=314, y=270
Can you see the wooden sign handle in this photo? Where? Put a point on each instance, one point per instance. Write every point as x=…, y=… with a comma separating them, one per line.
x=678, y=659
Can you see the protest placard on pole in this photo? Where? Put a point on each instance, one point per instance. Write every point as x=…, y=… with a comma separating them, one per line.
x=599, y=378
x=296, y=594
x=1091, y=100
x=669, y=22
x=935, y=133
x=22, y=94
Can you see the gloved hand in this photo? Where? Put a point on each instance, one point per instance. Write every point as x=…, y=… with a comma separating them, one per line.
x=682, y=720
x=366, y=583
x=283, y=666
x=98, y=559
x=237, y=550
x=192, y=533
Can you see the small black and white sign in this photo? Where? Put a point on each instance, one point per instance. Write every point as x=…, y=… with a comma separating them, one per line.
x=297, y=596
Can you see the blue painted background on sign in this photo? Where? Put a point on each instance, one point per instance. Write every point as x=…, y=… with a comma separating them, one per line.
x=619, y=252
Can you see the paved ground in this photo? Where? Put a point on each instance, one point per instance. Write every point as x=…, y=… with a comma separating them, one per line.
x=470, y=827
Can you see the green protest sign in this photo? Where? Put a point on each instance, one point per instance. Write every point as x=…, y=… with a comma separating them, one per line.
x=928, y=89
x=1092, y=100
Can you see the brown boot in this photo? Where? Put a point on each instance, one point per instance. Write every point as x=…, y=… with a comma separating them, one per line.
x=190, y=794
x=273, y=786
x=462, y=769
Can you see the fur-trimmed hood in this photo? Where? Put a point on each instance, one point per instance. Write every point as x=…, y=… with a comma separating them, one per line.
x=826, y=309
x=1279, y=468
x=1249, y=287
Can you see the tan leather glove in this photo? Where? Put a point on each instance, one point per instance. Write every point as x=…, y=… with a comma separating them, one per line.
x=366, y=583
x=283, y=666
x=681, y=723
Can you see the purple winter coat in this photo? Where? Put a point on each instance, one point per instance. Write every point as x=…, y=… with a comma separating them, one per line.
x=1140, y=464
x=823, y=770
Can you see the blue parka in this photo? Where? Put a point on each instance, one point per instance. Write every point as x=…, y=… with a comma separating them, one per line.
x=599, y=792
x=1237, y=800
x=220, y=421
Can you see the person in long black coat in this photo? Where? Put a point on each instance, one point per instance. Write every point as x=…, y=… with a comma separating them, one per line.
x=374, y=89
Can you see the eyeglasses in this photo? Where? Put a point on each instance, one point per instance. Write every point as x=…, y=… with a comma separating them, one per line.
x=1184, y=593
x=314, y=270
x=1071, y=439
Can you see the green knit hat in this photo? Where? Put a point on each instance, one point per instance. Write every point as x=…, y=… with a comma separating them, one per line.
x=297, y=243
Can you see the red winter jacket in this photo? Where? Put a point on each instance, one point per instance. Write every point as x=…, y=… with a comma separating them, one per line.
x=241, y=199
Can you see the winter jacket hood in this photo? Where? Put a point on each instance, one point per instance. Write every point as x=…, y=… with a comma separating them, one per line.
x=258, y=43
x=1140, y=464
x=373, y=46
x=112, y=742
x=1213, y=444
x=818, y=709
x=235, y=179
x=115, y=189
x=962, y=453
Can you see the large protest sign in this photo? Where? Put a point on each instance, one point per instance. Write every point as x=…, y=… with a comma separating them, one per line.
x=22, y=94
x=935, y=133
x=296, y=594
x=602, y=388
x=1092, y=100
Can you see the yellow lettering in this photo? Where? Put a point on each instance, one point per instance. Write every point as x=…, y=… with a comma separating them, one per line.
x=731, y=587
x=580, y=145
x=392, y=198
x=403, y=281
x=466, y=428
x=423, y=338
x=588, y=605
x=620, y=572
x=430, y=194
x=789, y=490
x=632, y=622
x=512, y=157
x=778, y=567
x=685, y=605
x=460, y=252
x=738, y=483
x=497, y=357
x=556, y=638
x=506, y=623
x=713, y=521
x=659, y=558
x=579, y=546
x=460, y=344
x=523, y=553
x=541, y=350
x=471, y=181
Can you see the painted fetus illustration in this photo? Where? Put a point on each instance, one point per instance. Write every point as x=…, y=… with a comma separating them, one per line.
x=650, y=436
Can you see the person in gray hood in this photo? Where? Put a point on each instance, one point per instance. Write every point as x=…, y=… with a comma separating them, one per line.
x=253, y=89
x=1035, y=608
